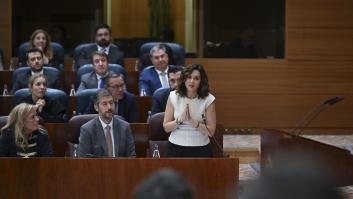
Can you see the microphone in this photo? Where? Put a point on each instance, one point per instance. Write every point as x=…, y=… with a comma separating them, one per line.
x=209, y=132
x=314, y=113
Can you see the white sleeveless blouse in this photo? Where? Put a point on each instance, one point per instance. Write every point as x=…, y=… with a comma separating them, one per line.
x=185, y=134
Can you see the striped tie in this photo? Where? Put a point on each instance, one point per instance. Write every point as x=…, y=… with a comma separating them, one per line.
x=164, y=79
x=108, y=139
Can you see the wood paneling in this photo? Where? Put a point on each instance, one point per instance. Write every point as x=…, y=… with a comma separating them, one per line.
x=280, y=111
x=131, y=19
x=278, y=93
x=319, y=30
x=320, y=43
x=111, y=178
x=5, y=29
x=319, y=13
x=228, y=76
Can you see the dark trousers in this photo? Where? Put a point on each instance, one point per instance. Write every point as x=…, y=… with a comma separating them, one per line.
x=174, y=150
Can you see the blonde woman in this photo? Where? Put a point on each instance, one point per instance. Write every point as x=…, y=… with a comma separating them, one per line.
x=22, y=137
x=49, y=109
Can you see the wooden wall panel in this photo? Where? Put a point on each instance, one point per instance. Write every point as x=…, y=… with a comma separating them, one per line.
x=319, y=44
x=319, y=30
x=130, y=19
x=319, y=13
x=228, y=76
x=280, y=111
x=5, y=29
x=278, y=93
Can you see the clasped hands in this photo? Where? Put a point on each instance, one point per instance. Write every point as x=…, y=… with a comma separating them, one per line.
x=186, y=116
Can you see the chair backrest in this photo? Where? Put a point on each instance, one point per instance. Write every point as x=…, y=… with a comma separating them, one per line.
x=87, y=68
x=156, y=130
x=75, y=124
x=3, y=121
x=52, y=93
x=84, y=98
x=175, y=52
x=26, y=69
x=58, y=50
x=77, y=52
x=140, y=134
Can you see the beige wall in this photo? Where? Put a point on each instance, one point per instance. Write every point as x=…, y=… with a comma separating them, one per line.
x=131, y=18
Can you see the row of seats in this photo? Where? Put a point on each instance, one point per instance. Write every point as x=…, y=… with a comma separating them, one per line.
x=68, y=78
x=76, y=105
x=176, y=50
x=64, y=136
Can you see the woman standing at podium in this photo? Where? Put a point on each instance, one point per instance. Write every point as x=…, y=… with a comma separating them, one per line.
x=21, y=136
x=190, y=115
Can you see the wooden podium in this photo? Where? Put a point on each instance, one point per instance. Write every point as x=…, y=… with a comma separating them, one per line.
x=336, y=162
x=110, y=178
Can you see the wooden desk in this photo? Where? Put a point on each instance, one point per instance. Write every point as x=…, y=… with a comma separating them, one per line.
x=132, y=81
x=335, y=162
x=110, y=178
x=6, y=104
x=145, y=105
x=6, y=78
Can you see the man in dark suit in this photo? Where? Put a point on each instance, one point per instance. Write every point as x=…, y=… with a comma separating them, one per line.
x=125, y=102
x=160, y=96
x=96, y=78
x=106, y=135
x=103, y=44
x=35, y=62
x=155, y=76
x=126, y=105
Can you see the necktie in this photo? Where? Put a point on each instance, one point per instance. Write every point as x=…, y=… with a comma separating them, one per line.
x=104, y=50
x=108, y=139
x=164, y=79
x=101, y=82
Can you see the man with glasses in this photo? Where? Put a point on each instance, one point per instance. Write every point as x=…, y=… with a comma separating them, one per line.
x=125, y=102
x=103, y=44
x=96, y=78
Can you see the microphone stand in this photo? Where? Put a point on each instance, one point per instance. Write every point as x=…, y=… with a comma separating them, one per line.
x=313, y=114
x=209, y=132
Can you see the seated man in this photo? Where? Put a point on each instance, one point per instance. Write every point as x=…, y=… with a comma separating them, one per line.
x=160, y=96
x=103, y=40
x=155, y=76
x=106, y=135
x=35, y=62
x=96, y=78
x=125, y=102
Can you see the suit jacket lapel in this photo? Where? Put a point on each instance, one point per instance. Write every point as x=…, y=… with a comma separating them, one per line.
x=156, y=77
x=116, y=134
x=98, y=130
x=94, y=78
